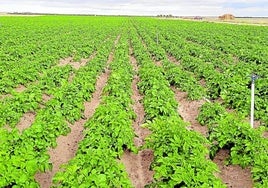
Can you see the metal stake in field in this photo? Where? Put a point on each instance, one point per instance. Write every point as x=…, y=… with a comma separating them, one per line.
x=254, y=77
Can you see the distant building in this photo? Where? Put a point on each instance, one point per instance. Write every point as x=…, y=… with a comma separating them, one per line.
x=165, y=16
x=198, y=18
x=227, y=17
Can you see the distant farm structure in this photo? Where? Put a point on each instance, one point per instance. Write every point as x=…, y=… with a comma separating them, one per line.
x=198, y=18
x=227, y=17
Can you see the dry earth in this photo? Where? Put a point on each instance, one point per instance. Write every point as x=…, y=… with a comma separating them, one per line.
x=20, y=88
x=232, y=175
x=26, y=121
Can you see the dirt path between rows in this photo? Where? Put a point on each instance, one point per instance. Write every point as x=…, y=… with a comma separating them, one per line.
x=138, y=165
x=2, y=97
x=68, y=145
x=26, y=121
x=189, y=111
x=232, y=175
x=173, y=59
x=20, y=88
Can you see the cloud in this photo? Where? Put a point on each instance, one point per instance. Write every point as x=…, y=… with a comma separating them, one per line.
x=139, y=7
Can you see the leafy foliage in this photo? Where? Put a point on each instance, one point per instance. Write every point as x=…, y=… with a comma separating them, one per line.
x=229, y=130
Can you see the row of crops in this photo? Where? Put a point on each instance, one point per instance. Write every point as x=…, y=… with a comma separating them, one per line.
x=226, y=130
x=213, y=62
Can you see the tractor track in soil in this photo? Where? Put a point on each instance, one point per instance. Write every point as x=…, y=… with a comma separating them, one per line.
x=68, y=145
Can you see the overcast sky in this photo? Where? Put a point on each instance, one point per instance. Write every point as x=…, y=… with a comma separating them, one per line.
x=140, y=7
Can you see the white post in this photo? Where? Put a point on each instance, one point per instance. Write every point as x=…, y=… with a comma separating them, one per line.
x=253, y=78
x=252, y=104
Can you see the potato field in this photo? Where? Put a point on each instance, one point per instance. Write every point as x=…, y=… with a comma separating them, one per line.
x=98, y=101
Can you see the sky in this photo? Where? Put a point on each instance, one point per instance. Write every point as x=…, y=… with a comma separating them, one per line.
x=140, y=7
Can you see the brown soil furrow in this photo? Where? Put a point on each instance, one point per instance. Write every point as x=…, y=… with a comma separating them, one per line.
x=158, y=63
x=138, y=108
x=189, y=111
x=26, y=121
x=68, y=145
x=65, y=61
x=8, y=128
x=45, y=99
x=20, y=88
x=71, y=77
x=91, y=106
x=2, y=97
x=173, y=59
x=232, y=175
x=83, y=62
x=202, y=82
x=265, y=134
x=138, y=165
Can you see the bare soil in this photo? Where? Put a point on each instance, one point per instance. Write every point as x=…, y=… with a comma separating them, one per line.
x=141, y=133
x=46, y=98
x=20, y=88
x=71, y=77
x=173, y=59
x=138, y=108
x=158, y=63
x=240, y=21
x=232, y=175
x=65, y=150
x=68, y=145
x=265, y=134
x=138, y=165
x=8, y=128
x=91, y=106
x=65, y=61
x=26, y=121
x=76, y=65
x=189, y=111
x=2, y=97
x=202, y=82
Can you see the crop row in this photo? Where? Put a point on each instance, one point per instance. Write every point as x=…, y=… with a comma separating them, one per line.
x=108, y=133
x=247, y=146
x=22, y=155
x=173, y=72
x=224, y=75
x=179, y=154
x=30, y=46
